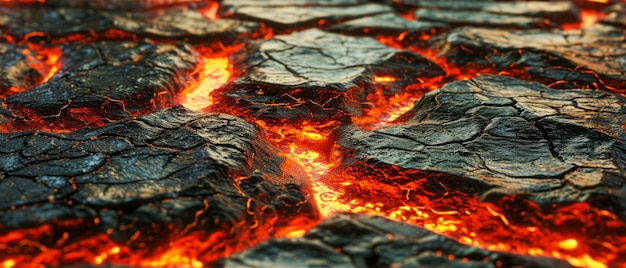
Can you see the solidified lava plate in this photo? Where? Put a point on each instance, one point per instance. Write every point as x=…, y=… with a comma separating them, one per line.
x=313, y=133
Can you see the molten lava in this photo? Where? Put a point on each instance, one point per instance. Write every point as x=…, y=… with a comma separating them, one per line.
x=580, y=233
x=587, y=18
x=214, y=72
x=44, y=60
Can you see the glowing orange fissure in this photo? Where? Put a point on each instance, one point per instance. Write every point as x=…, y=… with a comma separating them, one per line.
x=588, y=17
x=43, y=59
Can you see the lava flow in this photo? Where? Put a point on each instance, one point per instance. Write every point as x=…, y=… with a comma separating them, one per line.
x=446, y=204
x=203, y=78
x=39, y=65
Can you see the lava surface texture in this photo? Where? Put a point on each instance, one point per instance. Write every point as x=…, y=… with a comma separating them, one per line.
x=312, y=133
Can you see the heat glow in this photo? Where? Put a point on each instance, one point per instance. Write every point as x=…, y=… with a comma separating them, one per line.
x=580, y=233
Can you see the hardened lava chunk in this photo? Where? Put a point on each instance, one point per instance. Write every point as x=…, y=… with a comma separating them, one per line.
x=349, y=240
x=60, y=22
x=117, y=78
x=518, y=14
x=593, y=57
x=288, y=14
x=315, y=73
x=616, y=15
x=413, y=31
x=156, y=174
x=517, y=136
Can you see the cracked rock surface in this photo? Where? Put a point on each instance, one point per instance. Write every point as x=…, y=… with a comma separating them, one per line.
x=348, y=240
x=167, y=23
x=122, y=78
x=532, y=14
x=313, y=71
x=158, y=169
x=389, y=24
x=515, y=135
x=566, y=56
x=289, y=16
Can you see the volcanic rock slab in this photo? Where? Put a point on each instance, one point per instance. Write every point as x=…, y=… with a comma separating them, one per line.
x=565, y=57
x=128, y=5
x=616, y=14
x=348, y=240
x=234, y=4
x=117, y=78
x=517, y=136
x=389, y=24
x=310, y=72
x=168, y=23
x=164, y=168
x=290, y=16
x=521, y=14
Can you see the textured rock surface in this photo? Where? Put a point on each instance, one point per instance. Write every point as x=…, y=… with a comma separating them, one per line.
x=520, y=136
x=616, y=14
x=313, y=70
x=121, y=182
x=285, y=16
x=175, y=22
x=564, y=56
x=389, y=24
x=490, y=13
x=123, y=78
x=158, y=169
x=364, y=241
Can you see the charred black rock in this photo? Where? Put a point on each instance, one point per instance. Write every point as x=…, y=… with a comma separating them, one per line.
x=390, y=24
x=348, y=240
x=122, y=78
x=594, y=57
x=316, y=73
x=289, y=16
x=162, y=24
x=519, y=14
x=171, y=167
x=518, y=136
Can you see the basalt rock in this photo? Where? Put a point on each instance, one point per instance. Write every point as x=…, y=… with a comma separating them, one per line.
x=390, y=24
x=118, y=79
x=516, y=136
x=177, y=23
x=315, y=73
x=283, y=17
x=522, y=14
x=173, y=167
x=348, y=240
x=616, y=15
x=594, y=57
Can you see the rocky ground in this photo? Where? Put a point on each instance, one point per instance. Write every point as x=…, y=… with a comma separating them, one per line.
x=499, y=125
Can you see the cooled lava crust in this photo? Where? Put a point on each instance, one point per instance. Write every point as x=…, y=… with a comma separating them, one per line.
x=313, y=133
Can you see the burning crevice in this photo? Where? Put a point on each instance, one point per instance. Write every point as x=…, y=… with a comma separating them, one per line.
x=28, y=65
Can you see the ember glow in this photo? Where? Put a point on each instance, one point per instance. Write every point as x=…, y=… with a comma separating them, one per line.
x=587, y=18
x=43, y=59
x=214, y=72
x=585, y=234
